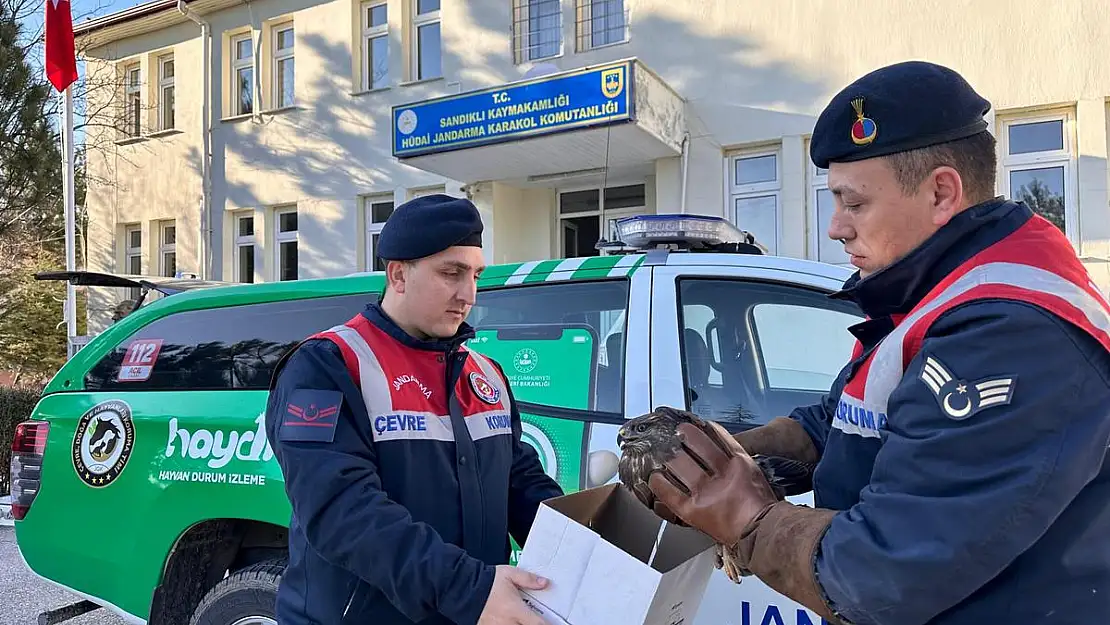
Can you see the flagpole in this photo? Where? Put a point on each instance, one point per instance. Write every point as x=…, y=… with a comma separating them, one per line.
x=68, y=191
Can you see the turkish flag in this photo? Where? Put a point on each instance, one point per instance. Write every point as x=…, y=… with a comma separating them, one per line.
x=61, y=60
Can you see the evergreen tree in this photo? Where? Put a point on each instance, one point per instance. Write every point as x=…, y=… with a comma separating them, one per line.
x=32, y=218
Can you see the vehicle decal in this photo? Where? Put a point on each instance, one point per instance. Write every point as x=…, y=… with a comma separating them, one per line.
x=202, y=444
x=587, y=268
x=103, y=442
x=138, y=361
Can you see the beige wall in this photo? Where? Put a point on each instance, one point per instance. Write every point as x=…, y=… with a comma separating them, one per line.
x=752, y=79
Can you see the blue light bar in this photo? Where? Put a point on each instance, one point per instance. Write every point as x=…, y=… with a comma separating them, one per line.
x=643, y=231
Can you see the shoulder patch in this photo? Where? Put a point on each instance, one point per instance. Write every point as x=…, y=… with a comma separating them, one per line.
x=310, y=415
x=960, y=399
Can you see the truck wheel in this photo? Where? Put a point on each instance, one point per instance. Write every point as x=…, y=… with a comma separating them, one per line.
x=247, y=597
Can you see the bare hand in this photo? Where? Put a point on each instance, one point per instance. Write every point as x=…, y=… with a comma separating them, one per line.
x=505, y=605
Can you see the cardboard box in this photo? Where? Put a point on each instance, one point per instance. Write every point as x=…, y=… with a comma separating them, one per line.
x=611, y=561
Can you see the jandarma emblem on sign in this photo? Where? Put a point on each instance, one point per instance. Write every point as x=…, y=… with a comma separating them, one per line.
x=103, y=442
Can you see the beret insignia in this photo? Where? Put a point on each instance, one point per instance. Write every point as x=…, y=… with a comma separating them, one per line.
x=864, y=128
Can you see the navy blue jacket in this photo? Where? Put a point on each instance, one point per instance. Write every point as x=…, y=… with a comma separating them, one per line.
x=1000, y=518
x=402, y=532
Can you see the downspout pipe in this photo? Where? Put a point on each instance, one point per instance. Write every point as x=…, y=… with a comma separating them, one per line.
x=205, y=253
x=685, y=164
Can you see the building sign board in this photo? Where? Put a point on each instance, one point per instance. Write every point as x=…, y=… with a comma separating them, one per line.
x=588, y=97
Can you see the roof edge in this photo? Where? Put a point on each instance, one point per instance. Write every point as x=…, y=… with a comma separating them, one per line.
x=127, y=15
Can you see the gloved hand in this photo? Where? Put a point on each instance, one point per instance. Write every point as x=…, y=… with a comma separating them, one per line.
x=720, y=490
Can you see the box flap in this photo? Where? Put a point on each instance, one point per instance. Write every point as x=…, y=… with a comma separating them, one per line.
x=678, y=545
x=680, y=592
x=583, y=506
x=616, y=589
x=558, y=549
x=629, y=525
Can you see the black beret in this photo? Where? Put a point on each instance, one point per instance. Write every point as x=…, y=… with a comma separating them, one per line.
x=428, y=225
x=897, y=108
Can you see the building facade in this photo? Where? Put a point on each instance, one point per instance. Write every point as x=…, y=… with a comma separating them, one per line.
x=269, y=139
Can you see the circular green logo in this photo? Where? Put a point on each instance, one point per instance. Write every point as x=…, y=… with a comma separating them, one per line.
x=525, y=360
x=542, y=444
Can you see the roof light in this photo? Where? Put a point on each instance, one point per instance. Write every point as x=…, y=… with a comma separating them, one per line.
x=684, y=231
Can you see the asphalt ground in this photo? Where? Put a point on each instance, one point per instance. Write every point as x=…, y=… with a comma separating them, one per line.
x=23, y=595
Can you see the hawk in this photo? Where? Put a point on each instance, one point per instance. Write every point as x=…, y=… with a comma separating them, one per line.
x=649, y=441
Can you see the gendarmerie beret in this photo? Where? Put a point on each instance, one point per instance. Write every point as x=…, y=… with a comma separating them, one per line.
x=428, y=225
x=897, y=108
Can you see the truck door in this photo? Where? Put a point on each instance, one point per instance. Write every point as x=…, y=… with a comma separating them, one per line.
x=742, y=345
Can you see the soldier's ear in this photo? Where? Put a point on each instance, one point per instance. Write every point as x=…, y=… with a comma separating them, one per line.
x=395, y=275
x=948, y=194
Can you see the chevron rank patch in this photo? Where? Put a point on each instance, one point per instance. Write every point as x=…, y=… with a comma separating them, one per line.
x=960, y=399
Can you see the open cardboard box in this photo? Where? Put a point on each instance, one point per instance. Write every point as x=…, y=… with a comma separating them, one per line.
x=611, y=561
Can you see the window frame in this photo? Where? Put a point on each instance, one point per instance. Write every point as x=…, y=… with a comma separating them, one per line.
x=605, y=216
x=130, y=252
x=523, y=50
x=818, y=232
x=1064, y=158
x=292, y=236
x=374, y=228
x=369, y=34
x=165, y=83
x=132, y=100
x=165, y=249
x=240, y=241
x=238, y=65
x=277, y=57
x=420, y=20
x=584, y=31
x=736, y=192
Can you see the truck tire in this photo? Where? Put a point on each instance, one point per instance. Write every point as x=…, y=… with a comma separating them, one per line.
x=246, y=597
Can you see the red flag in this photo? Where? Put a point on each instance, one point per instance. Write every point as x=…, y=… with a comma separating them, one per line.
x=61, y=60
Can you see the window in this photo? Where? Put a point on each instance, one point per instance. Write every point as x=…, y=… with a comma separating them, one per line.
x=284, y=90
x=427, y=52
x=133, y=101
x=167, y=250
x=545, y=335
x=221, y=348
x=1037, y=156
x=537, y=29
x=754, y=184
x=244, y=248
x=822, y=207
x=601, y=23
x=752, y=351
x=375, y=45
x=581, y=214
x=415, y=193
x=286, y=238
x=243, y=75
x=377, y=210
x=165, y=93
x=133, y=254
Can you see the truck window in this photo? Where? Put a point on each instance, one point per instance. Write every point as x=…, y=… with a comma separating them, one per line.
x=593, y=308
x=231, y=348
x=752, y=351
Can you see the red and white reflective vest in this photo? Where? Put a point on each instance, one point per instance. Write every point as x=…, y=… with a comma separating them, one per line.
x=1034, y=264
x=402, y=387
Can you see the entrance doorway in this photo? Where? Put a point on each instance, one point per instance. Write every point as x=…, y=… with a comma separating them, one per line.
x=588, y=215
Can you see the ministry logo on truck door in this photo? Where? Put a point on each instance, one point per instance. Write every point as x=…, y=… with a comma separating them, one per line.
x=103, y=442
